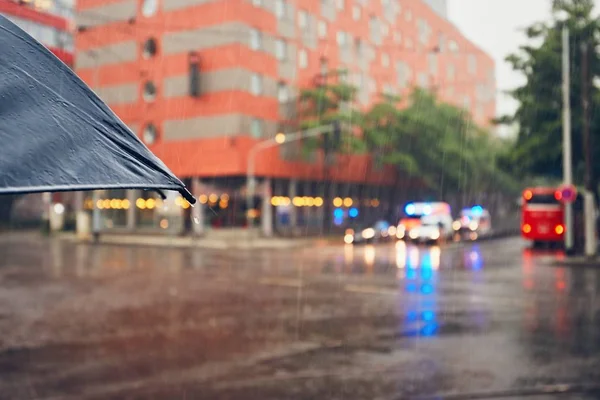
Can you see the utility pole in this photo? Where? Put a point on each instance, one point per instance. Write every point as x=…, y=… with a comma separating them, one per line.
x=567, y=153
x=588, y=195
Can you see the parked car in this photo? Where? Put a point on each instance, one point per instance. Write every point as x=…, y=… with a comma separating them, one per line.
x=377, y=232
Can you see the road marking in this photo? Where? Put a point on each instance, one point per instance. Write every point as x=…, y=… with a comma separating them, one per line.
x=287, y=282
x=370, y=290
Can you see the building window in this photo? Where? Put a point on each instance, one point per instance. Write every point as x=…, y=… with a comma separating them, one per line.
x=384, y=30
x=356, y=12
x=302, y=59
x=385, y=60
x=256, y=128
x=422, y=80
x=467, y=102
x=255, y=39
x=341, y=38
x=149, y=134
x=324, y=68
x=149, y=91
x=433, y=64
x=302, y=19
x=450, y=72
x=256, y=85
x=149, y=7
x=282, y=93
x=149, y=49
x=322, y=29
x=441, y=42
x=281, y=49
x=358, y=47
x=453, y=46
x=280, y=8
x=472, y=64
x=341, y=4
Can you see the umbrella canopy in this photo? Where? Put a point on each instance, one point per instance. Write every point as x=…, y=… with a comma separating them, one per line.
x=57, y=135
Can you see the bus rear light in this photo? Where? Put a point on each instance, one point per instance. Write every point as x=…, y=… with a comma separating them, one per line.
x=558, y=195
x=528, y=195
x=526, y=228
x=559, y=229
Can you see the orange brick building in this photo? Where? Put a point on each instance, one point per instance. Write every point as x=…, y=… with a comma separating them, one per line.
x=254, y=55
x=48, y=21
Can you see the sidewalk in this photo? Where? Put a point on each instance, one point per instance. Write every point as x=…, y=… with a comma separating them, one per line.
x=577, y=261
x=244, y=242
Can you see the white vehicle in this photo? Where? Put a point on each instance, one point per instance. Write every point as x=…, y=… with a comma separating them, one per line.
x=433, y=229
x=415, y=212
x=474, y=222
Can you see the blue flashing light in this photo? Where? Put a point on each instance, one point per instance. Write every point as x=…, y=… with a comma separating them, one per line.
x=411, y=316
x=338, y=221
x=428, y=316
x=427, y=289
x=338, y=213
x=477, y=210
x=429, y=329
x=353, y=212
x=410, y=209
x=411, y=287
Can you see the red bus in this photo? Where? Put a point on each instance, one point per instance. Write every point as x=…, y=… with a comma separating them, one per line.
x=542, y=215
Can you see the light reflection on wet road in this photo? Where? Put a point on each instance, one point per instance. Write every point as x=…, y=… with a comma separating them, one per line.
x=384, y=321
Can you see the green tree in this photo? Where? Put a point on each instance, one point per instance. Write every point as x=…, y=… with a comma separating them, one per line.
x=538, y=148
x=436, y=143
x=328, y=103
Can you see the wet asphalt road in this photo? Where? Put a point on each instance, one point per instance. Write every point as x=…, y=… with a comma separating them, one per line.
x=329, y=322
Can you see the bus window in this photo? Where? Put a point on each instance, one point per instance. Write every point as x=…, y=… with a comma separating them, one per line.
x=543, y=198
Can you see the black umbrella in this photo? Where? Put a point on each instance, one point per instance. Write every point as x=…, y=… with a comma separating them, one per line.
x=57, y=135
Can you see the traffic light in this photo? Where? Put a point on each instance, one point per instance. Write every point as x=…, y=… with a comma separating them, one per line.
x=194, y=65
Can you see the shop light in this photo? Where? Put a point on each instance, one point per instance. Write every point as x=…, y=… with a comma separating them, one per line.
x=150, y=204
x=318, y=201
x=348, y=202
x=338, y=202
x=213, y=198
x=140, y=203
x=203, y=199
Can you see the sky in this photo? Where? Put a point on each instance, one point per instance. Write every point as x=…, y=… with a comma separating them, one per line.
x=495, y=26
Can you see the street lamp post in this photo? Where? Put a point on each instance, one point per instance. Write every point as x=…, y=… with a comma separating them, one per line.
x=589, y=206
x=567, y=153
x=278, y=140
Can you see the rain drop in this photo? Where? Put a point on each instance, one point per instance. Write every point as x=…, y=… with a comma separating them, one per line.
x=196, y=220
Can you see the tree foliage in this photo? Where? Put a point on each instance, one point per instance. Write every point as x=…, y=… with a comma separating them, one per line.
x=537, y=151
x=435, y=142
